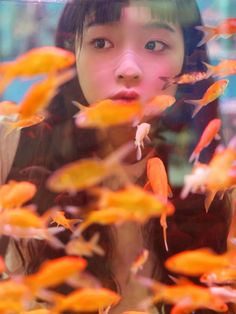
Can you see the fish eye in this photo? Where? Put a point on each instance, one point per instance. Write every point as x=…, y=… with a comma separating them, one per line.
x=155, y=45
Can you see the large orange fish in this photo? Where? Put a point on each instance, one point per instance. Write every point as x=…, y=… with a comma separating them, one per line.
x=158, y=183
x=213, y=92
x=225, y=28
x=107, y=113
x=209, y=133
x=187, y=297
x=199, y=261
x=185, y=78
x=85, y=173
x=41, y=93
x=16, y=193
x=41, y=60
x=223, y=68
x=86, y=300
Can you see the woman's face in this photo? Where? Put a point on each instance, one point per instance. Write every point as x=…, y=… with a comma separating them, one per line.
x=125, y=59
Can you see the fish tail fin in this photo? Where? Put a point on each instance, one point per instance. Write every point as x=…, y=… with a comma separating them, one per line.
x=94, y=242
x=196, y=103
x=80, y=229
x=194, y=157
x=168, y=81
x=208, y=34
x=163, y=223
x=65, y=76
x=139, y=151
x=78, y=105
x=209, y=198
x=210, y=69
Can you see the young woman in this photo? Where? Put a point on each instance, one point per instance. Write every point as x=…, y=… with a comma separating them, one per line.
x=123, y=48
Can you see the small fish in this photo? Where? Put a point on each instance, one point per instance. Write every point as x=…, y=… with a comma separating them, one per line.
x=158, y=184
x=82, y=174
x=225, y=28
x=209, y=133
x=58, y=216
x=86, y=300
x=41, y=93
x=8, y=108
x=54, y=272
x=107, y=113
x=80, y=247
x=16, y=193
x=141, y=135
x=131, y=203
x=213, y=92
x=139, y=262
x=157, y=105
x=37, y=61
x=223, y=68
x=199, y=261
x=185, y=78
x=187, y=297
x=226, y=275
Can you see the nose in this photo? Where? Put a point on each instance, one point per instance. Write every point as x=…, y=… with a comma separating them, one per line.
x=128, y=71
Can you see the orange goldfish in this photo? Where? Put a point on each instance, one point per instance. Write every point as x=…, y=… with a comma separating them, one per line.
x=41, y=60
x=55, y=272
x=199, y=261
x=139, y=261
x=80, y=247
x=14, y=194
x=225, y=28
x=141, y=135
x=158, y=183
x=157, y=105
x=38, y=311
x=85, y=173
x=41, y=93
x=86, y=300
x=213, y=92
x=186, y=78
x=131, y=203
x=107, y=113
x=187, y=297
x=219, y=276
x=223, y=68
x=8, y=108
x=58, y=216
x=209, y=133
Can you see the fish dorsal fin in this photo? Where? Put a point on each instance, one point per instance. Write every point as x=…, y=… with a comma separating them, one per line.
x=79, y=105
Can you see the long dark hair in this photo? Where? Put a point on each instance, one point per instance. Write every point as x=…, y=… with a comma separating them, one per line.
x=55, y=142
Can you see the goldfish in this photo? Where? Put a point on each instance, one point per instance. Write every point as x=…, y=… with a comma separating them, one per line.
x=2, y=265
x=185, y=78
x=41, y=93
x=141, y=135
x=199, y=261
x=107, y=113
x=86, y=300
x=81, y=247
x=209, y=133
x=187, y=297
x=139, y=261
x=38, y=311
x=54, y=272
x=131, y=203
x=213, y=92
x=157, y=105
x=37, y=61
x=223, y=68
x=82, y=174
x=226, y=275
x=58, y=216
x=225, y=28
x=16, y=193
x=158, y=183
x=8, y=108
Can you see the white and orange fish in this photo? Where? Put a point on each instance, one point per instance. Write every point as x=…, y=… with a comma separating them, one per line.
x=41, y=60
x=225, y=28
x=223, y=68
x=185, y=78
x=209, y=133
x=141, y=135
x=212, y=93
x=158, y=184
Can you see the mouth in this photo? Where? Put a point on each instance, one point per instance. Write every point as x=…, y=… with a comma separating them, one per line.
x=126, y=96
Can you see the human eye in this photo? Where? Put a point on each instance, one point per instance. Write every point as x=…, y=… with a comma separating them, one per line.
x=156, y=45
x=101, y=43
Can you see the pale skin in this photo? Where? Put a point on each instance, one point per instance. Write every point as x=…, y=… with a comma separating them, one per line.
x=129, y=55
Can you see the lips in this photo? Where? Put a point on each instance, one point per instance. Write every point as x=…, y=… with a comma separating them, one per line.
x=126, y=96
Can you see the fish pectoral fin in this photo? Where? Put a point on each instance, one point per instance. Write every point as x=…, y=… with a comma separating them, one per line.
x=209, y=198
